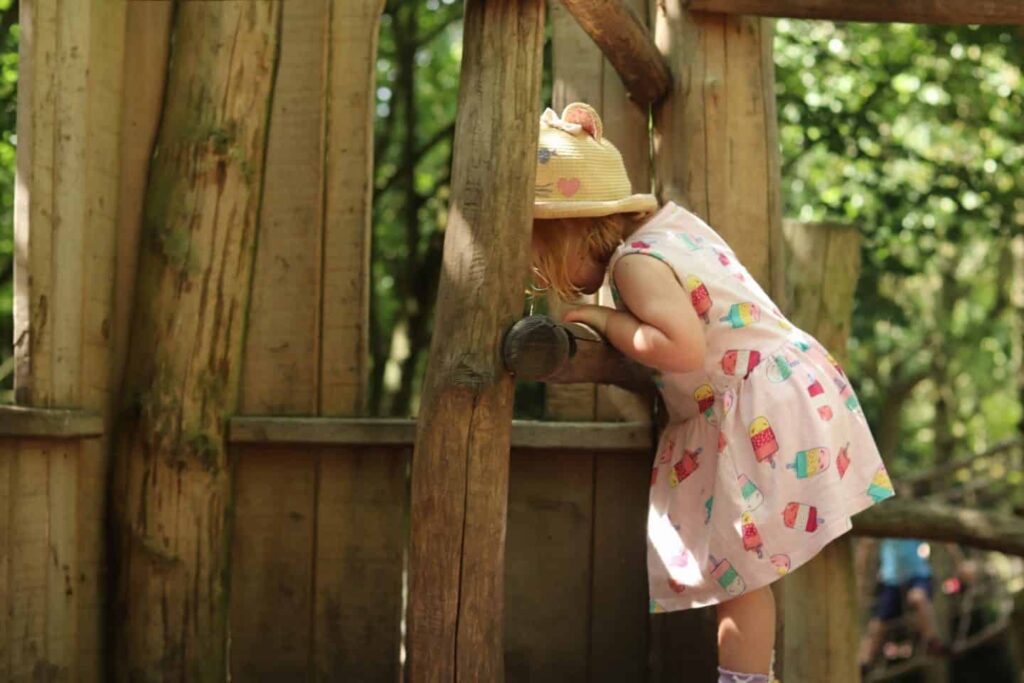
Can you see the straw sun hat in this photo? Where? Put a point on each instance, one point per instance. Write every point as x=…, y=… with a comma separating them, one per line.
x=579, y=172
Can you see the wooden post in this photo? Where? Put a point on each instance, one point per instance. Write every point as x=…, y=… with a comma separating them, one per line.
x=537, y=348
x=172, y=490
x=52, y=560
x=821, y=597
x=911, y=11
x=460, y=466
x=716, y=153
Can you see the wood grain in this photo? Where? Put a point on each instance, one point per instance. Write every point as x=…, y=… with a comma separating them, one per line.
x=70, y=87
x=274, y=538
x=911, y=11
x=460, y=467
x=184, y=356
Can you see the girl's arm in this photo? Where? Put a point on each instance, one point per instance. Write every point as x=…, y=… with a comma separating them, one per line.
x=661, y=329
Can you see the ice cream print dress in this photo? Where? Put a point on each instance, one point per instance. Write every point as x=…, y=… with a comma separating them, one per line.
x=767, y=453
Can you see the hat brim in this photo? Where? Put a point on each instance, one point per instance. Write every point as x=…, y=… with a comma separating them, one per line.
x=593, y=209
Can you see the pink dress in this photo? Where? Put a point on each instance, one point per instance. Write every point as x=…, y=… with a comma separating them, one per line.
x=767, y=453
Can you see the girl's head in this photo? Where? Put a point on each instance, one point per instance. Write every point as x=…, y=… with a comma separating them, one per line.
x=583, y=203
x=570, y=255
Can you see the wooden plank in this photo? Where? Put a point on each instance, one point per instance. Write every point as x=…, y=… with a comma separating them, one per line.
x=591, y=436
x=274, y=540
x=911, y=11
x=272, y=562
x=68, y=130
x=53, y=423
x=619, y=638
x=460, y=466
x=362, y=513
x=8, y=453
x=548, y=572
x=184, y=360
x=362, y=499
x=715, y=152
x=626, y=43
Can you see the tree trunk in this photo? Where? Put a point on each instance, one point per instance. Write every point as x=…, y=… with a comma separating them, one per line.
x=460, y=466
x=172, y=487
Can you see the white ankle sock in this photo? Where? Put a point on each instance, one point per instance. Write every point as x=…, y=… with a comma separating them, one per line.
x=726, y=676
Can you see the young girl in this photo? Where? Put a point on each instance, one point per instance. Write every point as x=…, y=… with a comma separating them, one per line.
x=767, y=454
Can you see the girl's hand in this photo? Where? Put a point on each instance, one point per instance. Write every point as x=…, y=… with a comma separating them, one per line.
x=592, y=316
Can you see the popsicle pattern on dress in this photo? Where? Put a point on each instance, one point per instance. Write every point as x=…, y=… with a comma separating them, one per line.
x=766, y=455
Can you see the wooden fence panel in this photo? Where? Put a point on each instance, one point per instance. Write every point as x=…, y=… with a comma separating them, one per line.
x=317, y=562
x=548, y=573
x=71, y=66
x=362, y=496
x=275, y=487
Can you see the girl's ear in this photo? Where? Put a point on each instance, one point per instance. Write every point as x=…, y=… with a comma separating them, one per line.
x=587, y=118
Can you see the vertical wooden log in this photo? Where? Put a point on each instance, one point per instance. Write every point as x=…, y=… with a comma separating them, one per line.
x=171, y=476
x=716, y=153
x=820, y=598
x=460, y=466
x=65, y=241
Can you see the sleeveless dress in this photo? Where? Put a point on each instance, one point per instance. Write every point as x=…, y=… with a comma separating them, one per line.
x=767, y=453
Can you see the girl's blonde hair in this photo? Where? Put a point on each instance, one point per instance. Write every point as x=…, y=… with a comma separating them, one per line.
x=559, y=241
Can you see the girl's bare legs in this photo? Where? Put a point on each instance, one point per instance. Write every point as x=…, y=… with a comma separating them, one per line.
x=746, y=632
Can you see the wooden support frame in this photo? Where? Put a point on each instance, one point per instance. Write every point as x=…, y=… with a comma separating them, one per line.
x=909, y=11
x=627, y=44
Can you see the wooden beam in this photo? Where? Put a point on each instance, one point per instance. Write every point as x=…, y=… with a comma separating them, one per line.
x=627, y=44
x=538, y=348
x=21, y=421
x=910, y=11
x=901, y=518
x=336, y=431
x=460, y=464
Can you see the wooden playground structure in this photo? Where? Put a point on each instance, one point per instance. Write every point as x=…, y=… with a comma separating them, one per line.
x=191, y=487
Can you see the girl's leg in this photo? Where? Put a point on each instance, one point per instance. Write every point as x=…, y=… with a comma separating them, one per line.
x=746, y=632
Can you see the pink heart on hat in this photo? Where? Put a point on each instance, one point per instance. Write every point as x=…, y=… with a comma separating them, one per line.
x=568, y=186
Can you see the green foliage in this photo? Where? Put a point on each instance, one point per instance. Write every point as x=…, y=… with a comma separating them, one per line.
x=913, y=134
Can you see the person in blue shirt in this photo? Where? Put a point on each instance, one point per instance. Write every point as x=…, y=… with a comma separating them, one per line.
x=904, y=583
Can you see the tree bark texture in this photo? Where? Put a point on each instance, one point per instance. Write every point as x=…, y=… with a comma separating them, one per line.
x=172, y=487
x=460, y=466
